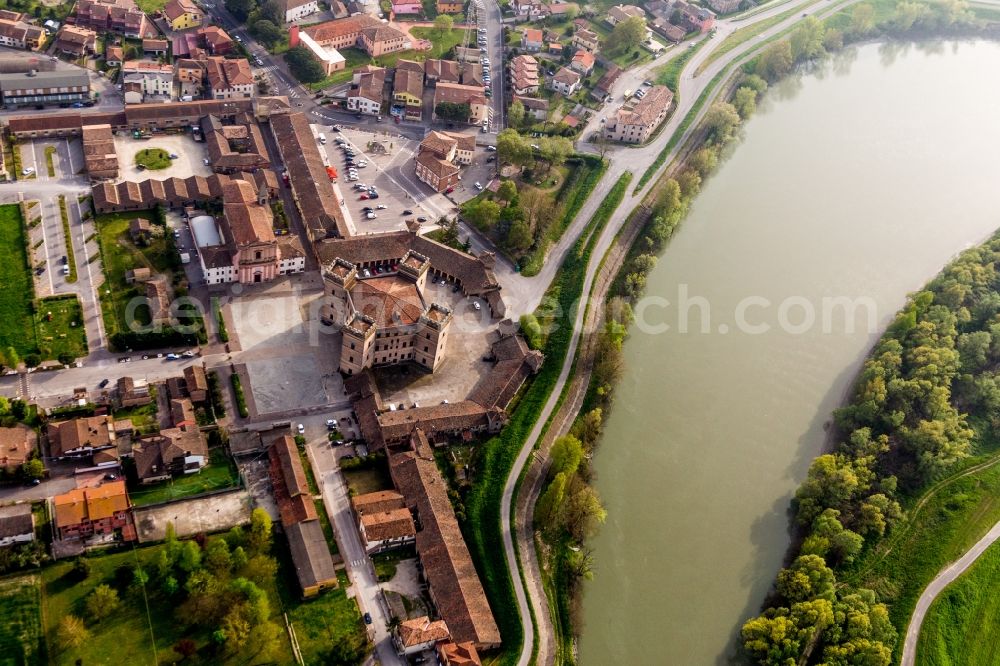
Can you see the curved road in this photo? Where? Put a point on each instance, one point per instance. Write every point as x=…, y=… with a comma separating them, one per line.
x=930, y=593
x=622, y=160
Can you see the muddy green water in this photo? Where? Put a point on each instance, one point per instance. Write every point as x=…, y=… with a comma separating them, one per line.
x=859, y=180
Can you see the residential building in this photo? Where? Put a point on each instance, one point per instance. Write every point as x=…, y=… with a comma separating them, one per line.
x=196, y=383
x=384, y=530
x=531, y=39
x=176, y=451
x=694, y=18
x=151, y=79
x=406, y=7
x=724, y=6
x=133, y=393
x=635, y=125
x=15, y=33
x=229, y=78
x=659, y=8
x=75, y=41
x=299, y=519
x=438, y=157
x=384, y=319
x=183, y=14
x=362, y=31
x=378, y=501
x=234, y=147
x=419, y=634
x=17, y=524
x=524, y=75
x=606, y=82
x=534, y=107
x=451, y=576
x=190, y=76
x=329, y=57
x=215, y=40
x=619, y=13
x=447, y=7
x=79, y=437
x=663, y=27
x=566, y=81
x=158, y=299
x=561, y=8
x=465, y=54
x=113, y=55
x=438, y=71
x=583, y=62
x=408, y=90
x=440, y=174
x=17, y=443
x=296, y=9
x=458, y=654
x=366, y=93
x=119, y=16
x=469, y=95
x=87, y=512
x=155, y=47
x=587, y=40
x=529, y=10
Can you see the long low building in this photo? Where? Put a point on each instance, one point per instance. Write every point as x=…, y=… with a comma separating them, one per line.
x=44, y=88
x=172, y=192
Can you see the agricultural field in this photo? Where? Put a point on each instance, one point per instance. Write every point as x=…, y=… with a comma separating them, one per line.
x=21, y=628
x=966, y=612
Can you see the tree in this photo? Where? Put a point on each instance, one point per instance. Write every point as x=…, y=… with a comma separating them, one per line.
x=81, y=569
x=443, y=23
x=267, y=32
x=185, y=647
x=189, y=559
x=806, y=579
x=588, y=427
x=271, y=11
x=259, y=569
x=554, y=150
x=519, y=237
x=507, y=190
x=806, y=40
x=453, y=111
x=775, y=61
x=71, y=632
x=303, y=65
x=218, y=559
x=240, y=8
x=704, y=161
x=862, y=20
x=259, y=538
x=628, y=34
x=513, y=148
x=566, y=454
x=550, y=505
x=745, y=101
x=102, y=602
x=721, y=122
x=515, y=114
x=482, y=214
x=583, y=512
x=33, y=469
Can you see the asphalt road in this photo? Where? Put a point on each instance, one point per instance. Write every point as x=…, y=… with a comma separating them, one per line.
x=943, y=579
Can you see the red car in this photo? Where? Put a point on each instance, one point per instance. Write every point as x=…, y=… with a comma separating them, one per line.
x=449, y=190
x=364, y=197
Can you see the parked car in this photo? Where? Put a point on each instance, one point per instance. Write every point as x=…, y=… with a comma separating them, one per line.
x=491, y=149
x=479, y=186
x=381, y=207
x=301, y=429
x=173, y=357
x=27, y=171
x=407, y=212
x=173, y=156
x=368, y=616
x=476, y=305
x=104, y=382
x=331, y=424
x=421, y=219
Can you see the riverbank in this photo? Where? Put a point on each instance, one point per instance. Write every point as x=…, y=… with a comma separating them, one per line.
x=672, y=200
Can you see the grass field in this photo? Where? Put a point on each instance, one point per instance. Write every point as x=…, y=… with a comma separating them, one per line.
x=119, y=255
x=325, y=621
x=20, y=622
x=220, y=473
x=59, y=327
x=150, y=6
x=960, y=622
x=354, y=58
x=153, y=159
x=362, y=481
x=16, y=295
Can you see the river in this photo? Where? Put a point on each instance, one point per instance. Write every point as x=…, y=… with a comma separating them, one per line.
x=858, y=180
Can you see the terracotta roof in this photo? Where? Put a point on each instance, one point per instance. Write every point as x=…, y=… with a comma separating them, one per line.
x=81, y=504
x=16, y=444
x=455, y=586
x=567, y=76
x=533, y=35
x=533, y=103
x=392, y=524
x=178, y=8
x=438, y=143
x=409, y=81
x=389, y=301
x=442, y=70
x=648, y=109
x=439, y=167
x=331, y=30
x=249, y=222
x=421, y=630
x=458, y=654
x=83, y=432
x=584, y=58
x=458, y=94
x=381, y=500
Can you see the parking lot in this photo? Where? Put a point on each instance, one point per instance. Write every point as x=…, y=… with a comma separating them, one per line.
x=190, y=157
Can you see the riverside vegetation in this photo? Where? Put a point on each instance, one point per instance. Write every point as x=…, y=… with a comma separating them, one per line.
x=859, y=627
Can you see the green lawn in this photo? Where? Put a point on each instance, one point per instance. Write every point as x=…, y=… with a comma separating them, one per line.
x=150, y=6
x=119, y=255
x=354, y=58
x=16, y=295
x=59, y=327
x=442, y=44
x=20, y=622
x=143, y=417
x=153, y=159
x=330, y=620
x=373, y=479
x=960, y=624
x=220, y=473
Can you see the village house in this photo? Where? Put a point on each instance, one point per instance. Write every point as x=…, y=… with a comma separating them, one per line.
x=183, y=14
x=438, y=157
x=458, y=654
x=99, y=155
x=158, y=299
x=419, y=634
x=406, y=7
x=119, y=16
x=472, y=96
x=441, y=71
x=637, y=124
x=329, y=58
x=408, y=90
x=16, y=446
x=446, y=7
x=113, y=55
x=672, y=33
x=583, y=62
x=87, y=512
x=75, y=41
x=366, y=93
x=693, y=18
x=16, y=33
x=293, y=10
x=362, y=31
x=299, y=519
x=155, y=48
x=532, y=39
x=151, y=78
x=534, y=107
x=176, y=451
x=229, y=78
x=196, y=383
x=724, y=6
x=524, y=75
x=80, y=437
x=566, y=81
x=384, y=530
x=190, y=76
x=619, y=13
x=133, y=393
x=234, y=147
x=17, y=524
x=530, y=10
x=587, y=40
x=215, y=40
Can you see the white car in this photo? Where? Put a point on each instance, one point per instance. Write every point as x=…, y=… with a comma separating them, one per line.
x=380, y=207
x=476, y=305
x=26, y=171
x=371, y=216
x=491, y=149
x=301, y=429
x=479, y=186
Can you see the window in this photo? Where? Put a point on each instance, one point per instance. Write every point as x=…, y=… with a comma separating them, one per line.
x=352, y=345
